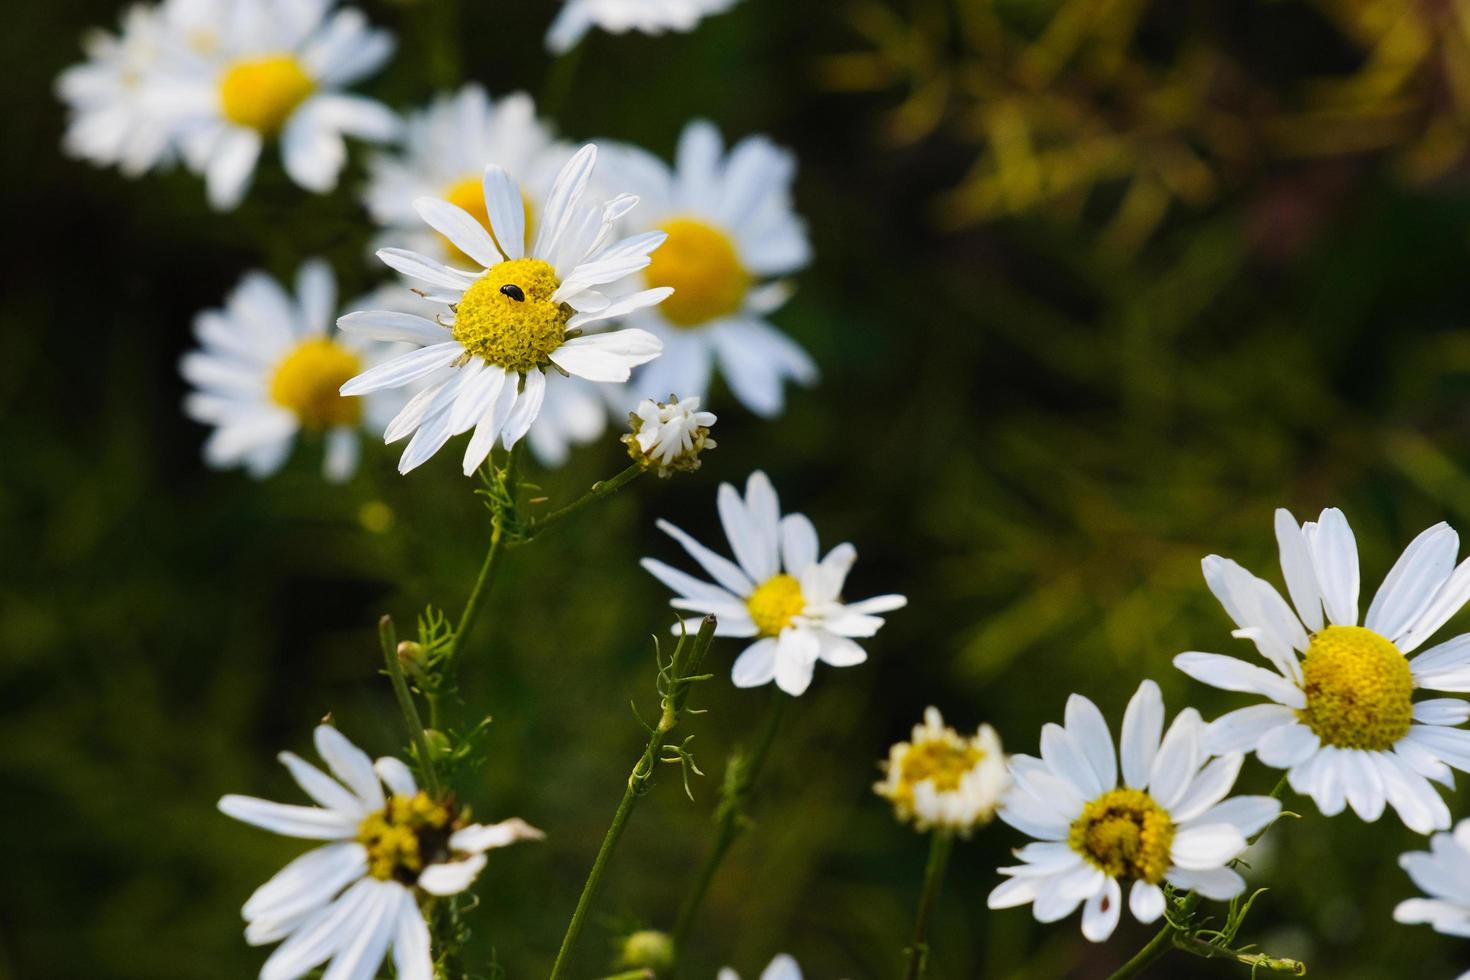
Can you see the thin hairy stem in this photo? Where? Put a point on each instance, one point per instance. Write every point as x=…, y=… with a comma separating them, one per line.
x=388, y=637
x=600, y=489
x=940, y=845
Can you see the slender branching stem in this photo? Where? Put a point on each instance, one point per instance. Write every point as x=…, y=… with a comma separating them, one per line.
x=1256, y=961
x=600, y=489
x=388, y=637
x=940, y=845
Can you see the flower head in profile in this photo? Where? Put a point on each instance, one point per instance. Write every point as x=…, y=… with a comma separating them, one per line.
x=669, y=436
x=1166, y=820
x=783, y=967
x=274, y=70
x=1340, y=715
x=357, y=895
x=577, y=17
x=268, y=369
x=732, y=232
x=777, y=591
x=942, y=780
x=504, y=328
x=1443, y=872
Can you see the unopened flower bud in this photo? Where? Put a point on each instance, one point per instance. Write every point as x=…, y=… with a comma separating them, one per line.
x=411, y=654
x=648, y=949
x=669, y=436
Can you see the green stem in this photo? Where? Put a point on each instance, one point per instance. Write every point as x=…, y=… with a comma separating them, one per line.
x=600, y=489
x=732, y=819
x=940, y=845
x=388, y=637
x=1256, y=961
x=687, y=657
x=486, y=579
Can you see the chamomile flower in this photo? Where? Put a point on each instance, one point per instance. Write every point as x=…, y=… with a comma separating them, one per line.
x=783, y=967
x=357, y=895
x=577, y=17
x=520, y=316
x=1444, y=873
x=776, y=590
x=731, y=231
x=444, y=152
x=277, y=72
x=268, y=369
x=669, y=436
x=943, y=780
x=1168, y=820
x=1341, y=718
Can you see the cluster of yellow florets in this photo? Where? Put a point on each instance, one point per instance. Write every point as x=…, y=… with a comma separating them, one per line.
x=396, y=836
x=306, y=382
x=943, y=779
x=1359, y=689
x=775, y=603
x=1125, y=834
x=700, y=262
x=508, y=318
x=261, y=93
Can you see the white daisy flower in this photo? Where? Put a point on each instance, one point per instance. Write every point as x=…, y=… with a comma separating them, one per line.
x=776, y=590
x=731, y=230
x=1341, y=717
x=1444, y=873
x=577, y=17
x=351, y=899
x=942, y=779
x=519, y=316
x=268, y=368
x=669, y=436
x=443, y=153
x=1167, y=821
x=278, y=70
x=783, y=967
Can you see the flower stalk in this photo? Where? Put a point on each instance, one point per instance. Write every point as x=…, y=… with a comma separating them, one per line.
x=941, y=843
x=599, y=490
x=388, y=637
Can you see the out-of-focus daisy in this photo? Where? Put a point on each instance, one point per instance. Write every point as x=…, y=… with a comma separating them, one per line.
x=351, y=899
x=731, y=230
x=1167, y=820
x=1342, y=719
x=1444, y=873
x=277, y=71
x=783, y=967
x=776, y=590
x=444, y=152
x=577, y=17
x=669, y=436
x=943, y=780
x=268, y=368
x=517, y=318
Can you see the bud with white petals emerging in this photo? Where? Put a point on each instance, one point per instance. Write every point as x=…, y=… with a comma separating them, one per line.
x=669, y=436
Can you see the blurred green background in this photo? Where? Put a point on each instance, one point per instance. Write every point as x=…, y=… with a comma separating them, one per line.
x=1097, y=286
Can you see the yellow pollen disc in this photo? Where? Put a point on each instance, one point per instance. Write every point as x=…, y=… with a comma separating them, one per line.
x=945, y=762
x=263, y=92
x=469, y=195
x=775, y=603
x=1358, y=687
x=1125, y=834
x=515, y=334
x=306, y=382
x=402, y=835
x=701, y=263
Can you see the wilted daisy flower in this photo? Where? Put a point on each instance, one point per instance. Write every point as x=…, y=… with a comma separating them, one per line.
x=669, y=436
x=351, y=899
x=782, y=967
x=778, y=591
x=1168, y=820
x=444, y=152
x=577, y=17
x=277, y=71
x=943, y=780
x=1444, y=873
x=269, y=368
x=1342, y=719
x=731, y=229
x=517, y=318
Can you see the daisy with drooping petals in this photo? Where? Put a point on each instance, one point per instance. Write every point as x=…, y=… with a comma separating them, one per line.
x=277, y=71
x=669, y=436
x=783, y=967
x=577, y=17
x=1342, y=719
x=731, y=231
x=444, y=152
x=351, y=899
x=1444, y=873
x=269, y=368
x=518, y=318
x=1167, y=820
x=943, y=780
x=776, y=590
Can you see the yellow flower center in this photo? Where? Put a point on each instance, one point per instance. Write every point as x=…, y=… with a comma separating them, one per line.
x=701, y=263
x=1358, y=688
x=775, y=603
x=1125, y=834
x=263, y=92
x=507, y=317
x=407, y=833
x=469, y=195
x=306, y=382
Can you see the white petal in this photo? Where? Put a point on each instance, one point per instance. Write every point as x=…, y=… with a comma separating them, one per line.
x=608, y=357
x=1335, y=559
x=527, y=406
x=507, y=211
x=1445, y=667
x=1086, y=724
x=309, y=882
x=1242, y=730
x=1287, y=745
x=1209, y=787
x=397, y=776
x=1230, y=674
x=460, y=227
x=756, y=665
x=1066, y=758
x=321, y=936
x=425, y=269
x=796, y=659
x=1296, y=566
x=1146, y=902
x=1446, y=602
x=363, y=952
x=351, y=765
x=412, y=959
x=1413, y=581
x=390, y=326
x=483, y=837
x=1178, y=759
x=798, y=543
x=307, y=822
x=721, y=569
x=322, y=788
x=404, y=369
x=1100, y=914
x=1143, y=725
x=1218, y=884
x=1247, y=814
x=452, y=877
x=1442, y=711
